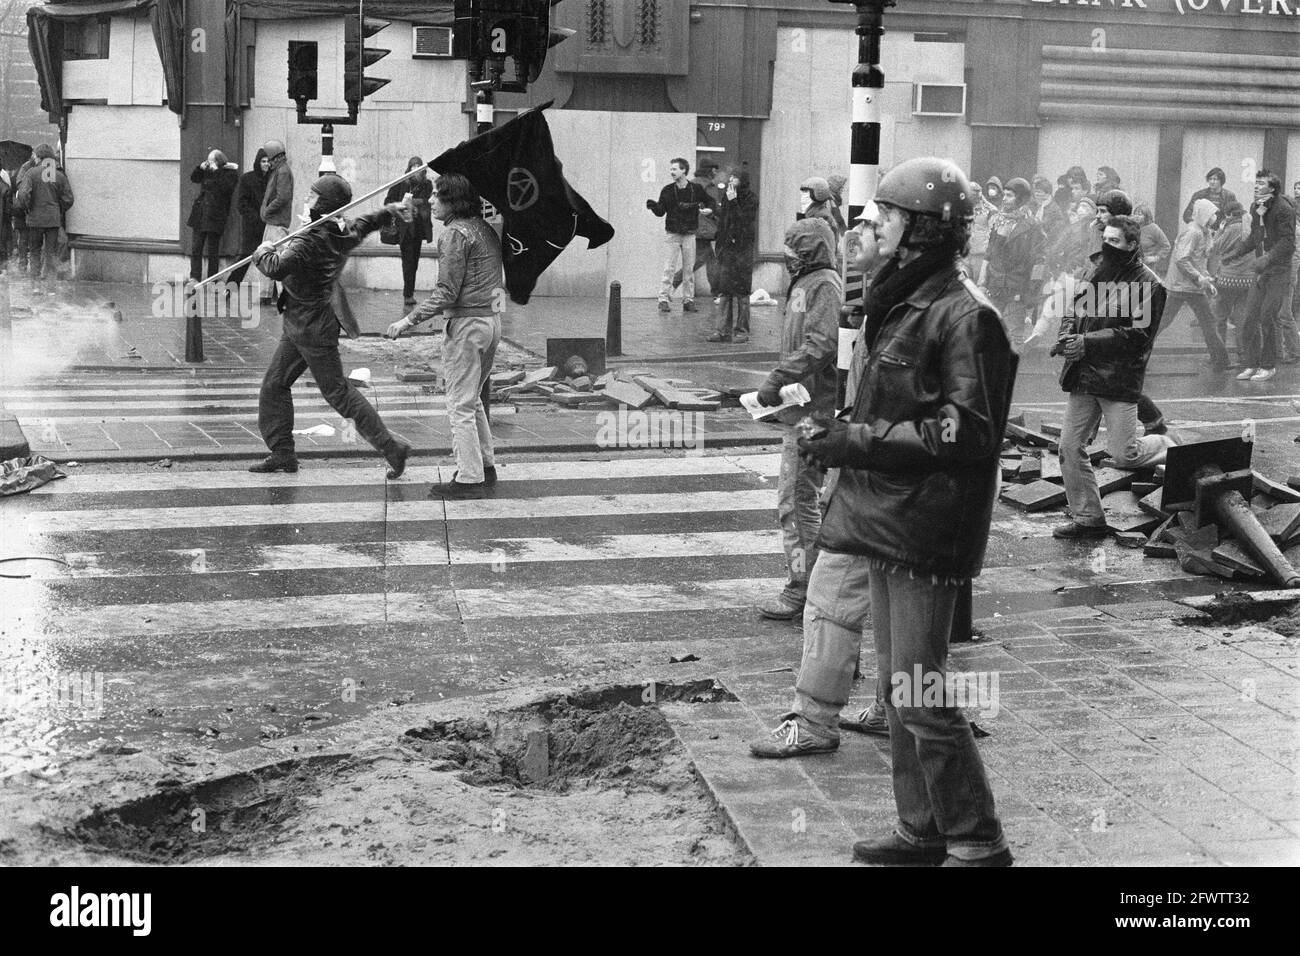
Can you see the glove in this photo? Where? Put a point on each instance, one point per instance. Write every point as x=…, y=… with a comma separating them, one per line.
x=832, y=449
x=769, y=396
x=262, y=250
x=650, y=204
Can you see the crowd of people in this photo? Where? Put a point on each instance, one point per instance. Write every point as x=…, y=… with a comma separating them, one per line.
x=35, y=199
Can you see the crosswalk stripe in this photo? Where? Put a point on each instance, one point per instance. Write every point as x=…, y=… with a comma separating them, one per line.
x=498, y=551
x=312, y=474
x=402, y=607
x=560, y=506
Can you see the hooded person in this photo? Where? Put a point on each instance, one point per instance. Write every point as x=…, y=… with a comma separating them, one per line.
x=993, y=191
x=413, y=235
x=1188, y=280
x=737, y=229
x=314, y=311
x=248, y=206
x=809, y=346
x=277, y=202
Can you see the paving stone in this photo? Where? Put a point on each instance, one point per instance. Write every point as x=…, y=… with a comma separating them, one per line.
x=1282, y=522
x=1112, y=479
x=1283, y=493
x=1037, y=496
x=1232, y=555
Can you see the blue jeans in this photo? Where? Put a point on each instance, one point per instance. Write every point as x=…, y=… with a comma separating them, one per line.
x=469, y=346
x=940, y=790
x=800, y=516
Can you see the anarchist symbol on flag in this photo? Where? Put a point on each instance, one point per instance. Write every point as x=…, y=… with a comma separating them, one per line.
x=514, y=167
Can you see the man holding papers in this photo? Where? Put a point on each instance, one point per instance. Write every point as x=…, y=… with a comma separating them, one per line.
x=809, y=343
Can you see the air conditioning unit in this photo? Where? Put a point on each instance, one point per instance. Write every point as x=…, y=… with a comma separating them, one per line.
x=938, y=99
x=430, y=43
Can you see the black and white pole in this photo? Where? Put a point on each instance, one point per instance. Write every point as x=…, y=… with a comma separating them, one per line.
x=326, y=150
x=864, y=165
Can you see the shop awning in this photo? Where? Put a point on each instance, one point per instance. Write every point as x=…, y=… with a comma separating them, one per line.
x=1166, y=86
x=45, y=42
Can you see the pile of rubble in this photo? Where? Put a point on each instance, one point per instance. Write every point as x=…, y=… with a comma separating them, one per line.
x=572, y=386
x=1190, y=530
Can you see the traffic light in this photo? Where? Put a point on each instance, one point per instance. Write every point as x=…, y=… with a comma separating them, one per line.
x=302, y=72
x=487, y=32
x=357, y=56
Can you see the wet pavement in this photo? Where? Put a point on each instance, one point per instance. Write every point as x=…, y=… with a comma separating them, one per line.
x=206, y=610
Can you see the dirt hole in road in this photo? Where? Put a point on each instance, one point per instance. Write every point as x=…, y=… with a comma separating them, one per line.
x=595, y=776
x=1235, y=608
x=594, y=736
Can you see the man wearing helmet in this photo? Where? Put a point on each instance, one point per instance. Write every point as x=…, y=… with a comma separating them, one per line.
x=308, y=268
x=907, y=523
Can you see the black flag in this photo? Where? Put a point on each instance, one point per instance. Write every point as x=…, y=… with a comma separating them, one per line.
x=514, y=167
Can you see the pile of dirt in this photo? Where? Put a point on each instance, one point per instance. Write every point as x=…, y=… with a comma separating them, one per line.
x=1287, y=623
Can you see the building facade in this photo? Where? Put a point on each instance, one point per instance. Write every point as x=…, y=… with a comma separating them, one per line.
x=1162, y=90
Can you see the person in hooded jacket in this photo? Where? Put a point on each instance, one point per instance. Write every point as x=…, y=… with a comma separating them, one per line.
x=993, y=191
x=809, y=346
x=217, y=180
x=248, y=206
x=737, y=229
x=308, y=267
x=43, y=196
x=815, y=202
x=1189, y=281
x=277, y=201
x=907, y=523
x=418, y=231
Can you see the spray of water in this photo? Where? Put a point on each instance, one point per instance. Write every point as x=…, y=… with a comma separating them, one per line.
x=51, y=334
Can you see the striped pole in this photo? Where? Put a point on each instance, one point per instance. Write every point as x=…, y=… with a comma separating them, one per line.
x=864, y=165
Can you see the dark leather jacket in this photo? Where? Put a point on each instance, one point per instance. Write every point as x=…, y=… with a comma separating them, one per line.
x=308, y=268
x=1118, y=331
x=926, y=428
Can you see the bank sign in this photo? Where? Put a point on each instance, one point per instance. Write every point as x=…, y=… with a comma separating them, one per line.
x=1275, y=8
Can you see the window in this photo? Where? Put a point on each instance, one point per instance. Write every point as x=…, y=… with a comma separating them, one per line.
x=86, y=39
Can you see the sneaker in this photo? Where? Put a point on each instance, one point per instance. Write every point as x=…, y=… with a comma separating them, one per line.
x=1072, y=529
x=457, y=490
x=740, y=337
x=872, y=720
x=664, y=306
x=781, y=610
x=1245, y=374
x=893, y=850
x=793, y=739
x=396, y=457
x=718, y=337
x=1263, y=375
x=272, y=463
x=688, y=306
x=1001, y=858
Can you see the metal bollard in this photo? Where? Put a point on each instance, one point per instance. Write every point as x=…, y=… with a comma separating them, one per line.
x=614, y=323
x=193, y=328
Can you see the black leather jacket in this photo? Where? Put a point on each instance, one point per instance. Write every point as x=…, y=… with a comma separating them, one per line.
x=1118, y=320
x=308, y=267
x=926, y=428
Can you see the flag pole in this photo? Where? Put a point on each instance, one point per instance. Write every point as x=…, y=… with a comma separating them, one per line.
x=298, y=232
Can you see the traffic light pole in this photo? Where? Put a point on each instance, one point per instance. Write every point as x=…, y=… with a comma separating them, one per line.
x=326, y=149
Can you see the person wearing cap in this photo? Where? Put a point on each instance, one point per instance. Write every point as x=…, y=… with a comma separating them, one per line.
x=907, y=523
x=308, y=268
x=1015, y=249
x=815, y=203
x=277, y=201
x=810, y=333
